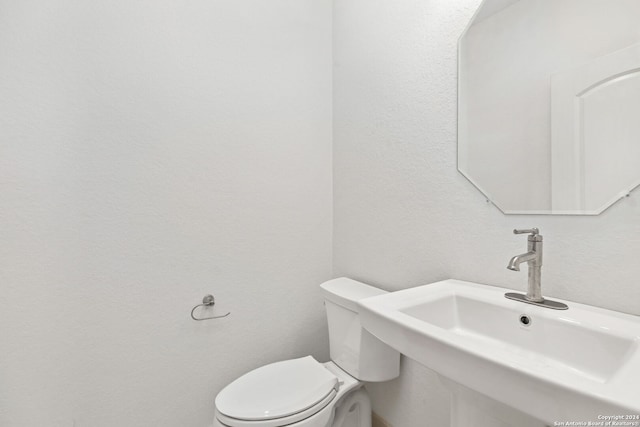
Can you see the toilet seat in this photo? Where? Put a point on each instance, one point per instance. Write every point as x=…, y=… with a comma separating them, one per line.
x=278, y=394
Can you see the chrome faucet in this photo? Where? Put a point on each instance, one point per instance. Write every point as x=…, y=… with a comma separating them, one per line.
x=533, y=258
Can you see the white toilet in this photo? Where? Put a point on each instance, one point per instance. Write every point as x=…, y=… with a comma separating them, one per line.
x=305, y=393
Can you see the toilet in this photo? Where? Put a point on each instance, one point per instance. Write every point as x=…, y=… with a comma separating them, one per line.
x=306, y=393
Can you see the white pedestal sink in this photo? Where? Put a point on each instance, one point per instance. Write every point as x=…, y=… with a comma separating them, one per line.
x=578, y=365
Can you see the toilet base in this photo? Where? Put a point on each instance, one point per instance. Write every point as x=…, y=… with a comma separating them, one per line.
x=354, y=411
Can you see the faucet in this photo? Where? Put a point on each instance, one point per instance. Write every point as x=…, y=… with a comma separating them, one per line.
x=533, y=258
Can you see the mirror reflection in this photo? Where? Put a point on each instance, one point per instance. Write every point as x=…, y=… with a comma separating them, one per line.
x=549, y=104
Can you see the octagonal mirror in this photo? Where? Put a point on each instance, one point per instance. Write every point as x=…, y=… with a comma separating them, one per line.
x=549, y=104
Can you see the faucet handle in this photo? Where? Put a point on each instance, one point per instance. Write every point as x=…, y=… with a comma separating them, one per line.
x=534, y=234
x=532, y=231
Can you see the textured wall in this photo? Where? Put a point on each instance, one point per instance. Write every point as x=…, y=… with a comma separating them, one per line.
x=403, y=215
x=152, y=152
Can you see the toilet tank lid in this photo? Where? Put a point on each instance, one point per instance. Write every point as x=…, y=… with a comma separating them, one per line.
x=347, y=292
x=277, y=390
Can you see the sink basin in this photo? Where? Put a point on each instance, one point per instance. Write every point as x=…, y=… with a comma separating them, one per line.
x=573, y=365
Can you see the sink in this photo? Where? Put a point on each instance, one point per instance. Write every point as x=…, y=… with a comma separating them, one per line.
x=555, y=366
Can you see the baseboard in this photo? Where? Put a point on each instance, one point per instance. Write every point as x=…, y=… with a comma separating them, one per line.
x=378, y=421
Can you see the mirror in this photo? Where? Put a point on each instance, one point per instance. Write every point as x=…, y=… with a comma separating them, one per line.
x=549, y=104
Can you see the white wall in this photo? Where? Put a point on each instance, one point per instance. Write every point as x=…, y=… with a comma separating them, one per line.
x=152, y=152
x=403, y=215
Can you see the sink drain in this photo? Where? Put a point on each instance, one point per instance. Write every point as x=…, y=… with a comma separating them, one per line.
x=525, y=320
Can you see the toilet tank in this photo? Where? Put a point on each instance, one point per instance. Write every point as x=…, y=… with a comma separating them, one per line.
x=351, y=347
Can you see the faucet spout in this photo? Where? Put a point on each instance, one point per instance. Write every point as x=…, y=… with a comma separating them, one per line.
x=514, y=263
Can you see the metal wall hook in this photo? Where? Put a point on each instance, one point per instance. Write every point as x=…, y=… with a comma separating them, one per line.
x=207, y=301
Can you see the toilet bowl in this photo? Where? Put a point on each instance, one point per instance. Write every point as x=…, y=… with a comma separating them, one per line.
x=301, y=392
x=306, y=393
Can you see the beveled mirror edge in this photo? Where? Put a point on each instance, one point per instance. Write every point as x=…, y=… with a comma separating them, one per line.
x=458, y=55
